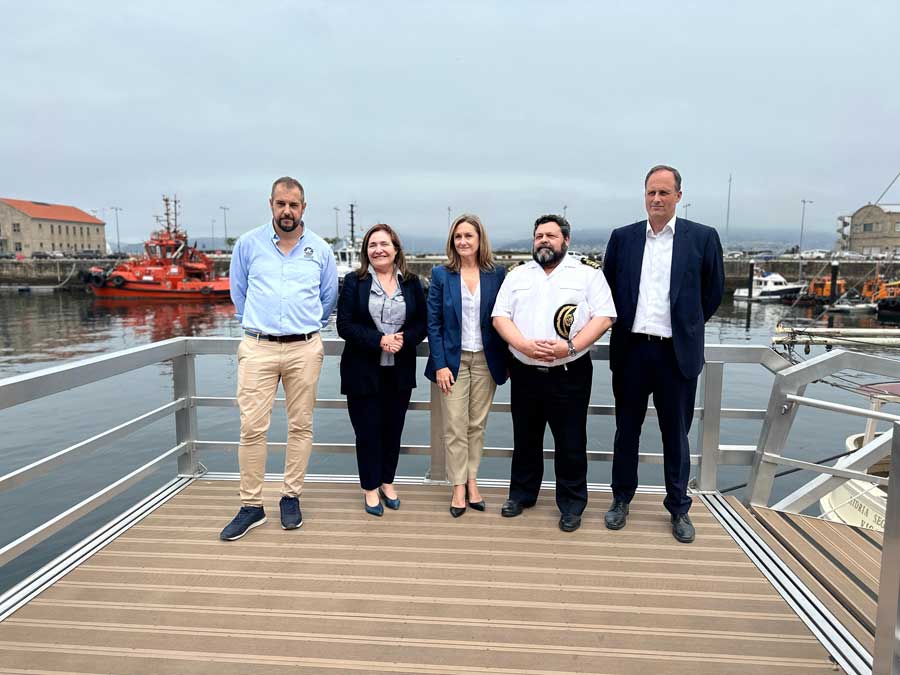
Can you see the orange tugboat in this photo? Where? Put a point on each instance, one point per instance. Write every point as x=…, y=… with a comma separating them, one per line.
x=170, y=269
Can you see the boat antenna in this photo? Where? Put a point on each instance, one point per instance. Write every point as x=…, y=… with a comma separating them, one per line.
x=175, y=210
x=881, y=196
x=168, y=211
x=352, y=226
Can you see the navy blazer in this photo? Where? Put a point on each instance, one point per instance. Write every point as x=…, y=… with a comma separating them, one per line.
x=696, y=285
x=361, y=358
x=445, y=323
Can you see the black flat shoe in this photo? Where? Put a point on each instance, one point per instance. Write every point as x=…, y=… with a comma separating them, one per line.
x=392, y=504
x=457, y=511
x=478, y=506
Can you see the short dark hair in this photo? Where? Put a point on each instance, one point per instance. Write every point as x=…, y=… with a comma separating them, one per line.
x=665, y=167
x=552, y=218
x=291, y=183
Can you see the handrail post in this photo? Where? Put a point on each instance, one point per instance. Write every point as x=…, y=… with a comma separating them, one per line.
x=780, y=414
x=184, y=377
x=438, y=469
x=709, y=430
x=887, y=645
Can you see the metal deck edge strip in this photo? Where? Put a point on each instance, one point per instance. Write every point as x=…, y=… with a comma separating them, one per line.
x=38, y=581
x=843, y=647
x=416, y=480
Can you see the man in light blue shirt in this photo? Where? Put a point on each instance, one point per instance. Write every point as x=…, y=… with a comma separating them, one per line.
x=284, y=287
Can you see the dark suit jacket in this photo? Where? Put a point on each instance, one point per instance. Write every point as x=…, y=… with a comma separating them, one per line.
x=360, y=361
x=445, y=323
x=695, y=287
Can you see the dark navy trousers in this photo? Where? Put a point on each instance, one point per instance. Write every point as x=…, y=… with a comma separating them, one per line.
x=378, y=424
x=559, y=397
x=649, y=369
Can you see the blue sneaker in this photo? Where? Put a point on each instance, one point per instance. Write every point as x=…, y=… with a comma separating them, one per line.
x=291, y=518
x=245, y=520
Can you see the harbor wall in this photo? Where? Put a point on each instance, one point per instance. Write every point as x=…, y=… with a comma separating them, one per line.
x=54, y=272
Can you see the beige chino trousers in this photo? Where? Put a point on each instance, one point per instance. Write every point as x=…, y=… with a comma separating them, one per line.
x=261, y=365
x=465, y=410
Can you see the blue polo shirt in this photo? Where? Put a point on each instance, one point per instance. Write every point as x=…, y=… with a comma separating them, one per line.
x=280, y=294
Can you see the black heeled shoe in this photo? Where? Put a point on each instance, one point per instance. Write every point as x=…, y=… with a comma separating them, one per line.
x=478, y=506
x=457, y=511
x=377, y=510
x=392, y=504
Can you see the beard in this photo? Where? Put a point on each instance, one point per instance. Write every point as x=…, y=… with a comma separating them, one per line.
x=547, y=256
x=290, y=227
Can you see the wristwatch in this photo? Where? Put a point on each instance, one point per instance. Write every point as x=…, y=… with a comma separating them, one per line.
x=572, y=350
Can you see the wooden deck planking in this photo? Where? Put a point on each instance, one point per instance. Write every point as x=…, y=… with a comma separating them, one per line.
x=845, y=560
x=413, y=592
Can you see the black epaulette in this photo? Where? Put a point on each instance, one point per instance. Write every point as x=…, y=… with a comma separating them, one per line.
x=591, y=263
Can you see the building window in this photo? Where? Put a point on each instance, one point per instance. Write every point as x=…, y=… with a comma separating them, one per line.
x=897, y=226
x=18, y=246
x=51, y=228
x=17, y=227
x=867, y=227
x=40, y=226
x=42, y=246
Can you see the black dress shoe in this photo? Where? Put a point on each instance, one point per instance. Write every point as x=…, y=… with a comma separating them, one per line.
x=478, y=506
x=569, y=522
x=683, y=528
x=616, y=516
x=511, y=508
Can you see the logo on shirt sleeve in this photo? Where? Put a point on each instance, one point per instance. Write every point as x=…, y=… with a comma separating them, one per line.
x=563, y=320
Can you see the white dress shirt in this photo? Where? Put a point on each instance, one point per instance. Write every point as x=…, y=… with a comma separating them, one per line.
x=530, y=298
x=471, y=318
x=653, y=313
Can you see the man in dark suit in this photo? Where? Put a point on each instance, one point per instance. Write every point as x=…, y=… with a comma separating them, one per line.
x=667, y=279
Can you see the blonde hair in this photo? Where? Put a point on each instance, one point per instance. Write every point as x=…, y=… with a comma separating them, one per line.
x=485, y=257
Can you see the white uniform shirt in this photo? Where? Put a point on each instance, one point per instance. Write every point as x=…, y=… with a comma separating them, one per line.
x=471, y=318
x=653, y=314
x=531, y=298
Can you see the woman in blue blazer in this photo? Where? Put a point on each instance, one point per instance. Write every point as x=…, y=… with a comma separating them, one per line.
x=381, y=317
x=468, y=357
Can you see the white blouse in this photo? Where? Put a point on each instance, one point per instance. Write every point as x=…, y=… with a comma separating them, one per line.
x=471, y=318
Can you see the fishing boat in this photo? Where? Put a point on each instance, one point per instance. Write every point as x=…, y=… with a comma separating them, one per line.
x=346, y=257
x=769, y=287
x=852, y=305
x=170, y=269
x=817, y=292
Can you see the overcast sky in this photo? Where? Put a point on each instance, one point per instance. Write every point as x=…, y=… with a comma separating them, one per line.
x=506, y=109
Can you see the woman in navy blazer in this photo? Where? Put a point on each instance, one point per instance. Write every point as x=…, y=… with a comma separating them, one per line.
x=381, y=317
x=467, y=357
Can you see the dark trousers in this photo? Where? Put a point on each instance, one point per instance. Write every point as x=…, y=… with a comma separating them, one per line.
x=378, y=424
x=649, y=368
x=558, y=397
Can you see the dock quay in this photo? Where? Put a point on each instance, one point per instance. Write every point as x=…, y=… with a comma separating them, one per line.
x=37, y=273
x=764, y=589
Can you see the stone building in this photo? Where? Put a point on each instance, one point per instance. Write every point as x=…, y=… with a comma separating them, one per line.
x=873, y=229
x=26, y=227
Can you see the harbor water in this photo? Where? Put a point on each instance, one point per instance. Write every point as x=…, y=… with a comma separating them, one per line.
x=43, y=330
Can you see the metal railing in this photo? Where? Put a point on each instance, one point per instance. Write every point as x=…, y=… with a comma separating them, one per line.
x=182, y=353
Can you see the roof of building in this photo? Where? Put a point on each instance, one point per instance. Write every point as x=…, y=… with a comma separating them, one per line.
x=47, y=211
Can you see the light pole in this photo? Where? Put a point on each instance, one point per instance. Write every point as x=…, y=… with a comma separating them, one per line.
x=565, y=208
x=804, y=202
x=337, y=228
x=118, y=241
x=685, y=207
x=225, y=223
x=448, y=217
x=212, y=234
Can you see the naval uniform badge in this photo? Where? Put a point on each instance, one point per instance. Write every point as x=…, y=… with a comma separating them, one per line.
x=563, y=320
x=591, y=263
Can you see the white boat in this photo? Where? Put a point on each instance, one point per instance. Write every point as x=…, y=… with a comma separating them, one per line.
x=856, y=502
x=769, y=287
x=346, y=257
x=845, y=306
